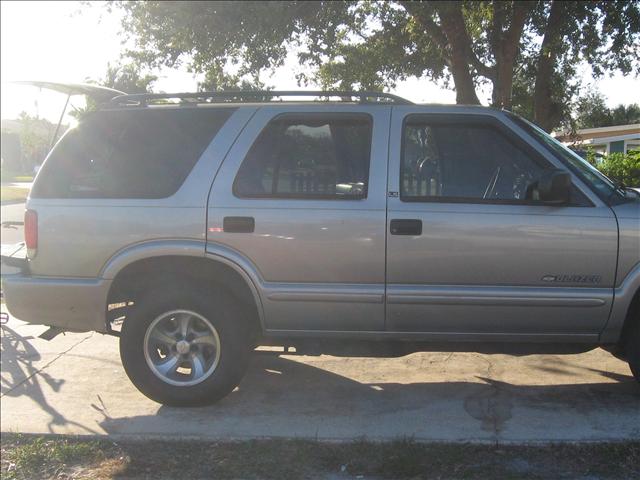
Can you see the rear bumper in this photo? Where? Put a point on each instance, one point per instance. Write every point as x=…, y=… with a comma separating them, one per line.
x=68, y=303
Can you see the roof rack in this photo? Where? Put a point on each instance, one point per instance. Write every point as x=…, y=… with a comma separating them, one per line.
x=142, y=99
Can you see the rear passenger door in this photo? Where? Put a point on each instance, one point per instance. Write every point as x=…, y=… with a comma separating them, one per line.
x=470, y=251
x=300, y=201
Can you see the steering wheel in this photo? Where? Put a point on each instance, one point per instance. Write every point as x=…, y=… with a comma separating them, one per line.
x=491, y=186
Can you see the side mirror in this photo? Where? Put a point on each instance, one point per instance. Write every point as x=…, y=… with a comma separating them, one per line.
x=554, y=186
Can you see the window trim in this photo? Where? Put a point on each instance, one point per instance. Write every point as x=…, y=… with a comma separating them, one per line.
x=492, y=123
x=321, y=196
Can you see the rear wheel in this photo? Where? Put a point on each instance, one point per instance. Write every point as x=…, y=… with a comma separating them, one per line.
x=181, y=348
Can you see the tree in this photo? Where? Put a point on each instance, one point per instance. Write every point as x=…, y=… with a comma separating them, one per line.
x=625, y=114
x=35, y=135
x=372, y=44
x=592, y=112
x=127, y=78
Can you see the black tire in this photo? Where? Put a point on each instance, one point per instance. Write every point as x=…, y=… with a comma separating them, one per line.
x=217, y=308
x=632, y=350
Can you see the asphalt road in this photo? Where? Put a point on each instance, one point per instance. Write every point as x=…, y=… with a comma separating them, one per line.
x=75, y=384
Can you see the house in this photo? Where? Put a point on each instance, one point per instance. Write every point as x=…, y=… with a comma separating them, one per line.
x=604, y=140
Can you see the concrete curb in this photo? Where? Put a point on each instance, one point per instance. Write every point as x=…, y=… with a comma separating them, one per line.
x=142, y=437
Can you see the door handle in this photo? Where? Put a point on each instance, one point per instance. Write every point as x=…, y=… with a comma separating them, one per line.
x=238, y=224
x=406, y=227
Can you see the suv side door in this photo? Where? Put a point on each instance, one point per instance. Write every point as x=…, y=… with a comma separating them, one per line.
x=300, y=201
x=471, y=253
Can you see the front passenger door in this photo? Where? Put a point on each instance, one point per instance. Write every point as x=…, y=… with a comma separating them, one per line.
x=472, y=254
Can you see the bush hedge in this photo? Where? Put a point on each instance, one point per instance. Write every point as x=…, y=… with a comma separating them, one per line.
x=624, y=168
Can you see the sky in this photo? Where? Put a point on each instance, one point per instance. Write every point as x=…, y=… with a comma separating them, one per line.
x=70, y=42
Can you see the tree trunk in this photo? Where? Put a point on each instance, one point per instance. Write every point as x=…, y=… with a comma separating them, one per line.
x=505, y=49
x=455, y=30
x=542, y=94
x=465, y=89
x=451, y=36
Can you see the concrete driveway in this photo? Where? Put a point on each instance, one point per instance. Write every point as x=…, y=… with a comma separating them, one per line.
x=76, y=385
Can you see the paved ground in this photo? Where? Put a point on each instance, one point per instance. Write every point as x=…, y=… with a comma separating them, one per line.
x=12, y=213
x=75, y=384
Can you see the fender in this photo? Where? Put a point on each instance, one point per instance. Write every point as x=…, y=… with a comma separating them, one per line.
x=622, y=297
x=191, y=248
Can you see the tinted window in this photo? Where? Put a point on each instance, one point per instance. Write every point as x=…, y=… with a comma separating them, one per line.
x=603, y=185
x=142, y=153
x=315, y=156
x=463, y=161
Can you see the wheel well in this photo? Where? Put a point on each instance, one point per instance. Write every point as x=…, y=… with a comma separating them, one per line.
x=133, y=279
x=633, y=317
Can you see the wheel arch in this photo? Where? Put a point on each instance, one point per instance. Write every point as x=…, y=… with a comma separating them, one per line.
x=632, y=318
x=622, y=310
x=130, y=271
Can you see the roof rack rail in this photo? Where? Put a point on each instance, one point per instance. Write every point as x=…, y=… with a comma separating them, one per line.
x=142, y=99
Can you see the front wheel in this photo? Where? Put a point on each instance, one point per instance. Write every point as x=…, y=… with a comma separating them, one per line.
x=633, y=350
x=181, y=348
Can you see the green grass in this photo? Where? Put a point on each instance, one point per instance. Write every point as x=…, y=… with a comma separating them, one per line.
x=37, y=457
x=10, y=176
x=59, y=457
x=13, y=194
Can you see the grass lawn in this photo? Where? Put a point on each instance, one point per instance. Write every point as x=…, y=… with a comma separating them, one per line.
x=22, y=178
x=13, y=194
x=12, y=176
x=59, y=457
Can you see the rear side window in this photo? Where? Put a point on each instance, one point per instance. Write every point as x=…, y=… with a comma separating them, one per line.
x=129, y=153
x=310, y=156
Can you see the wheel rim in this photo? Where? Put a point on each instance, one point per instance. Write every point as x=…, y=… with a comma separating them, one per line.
x=182, y=348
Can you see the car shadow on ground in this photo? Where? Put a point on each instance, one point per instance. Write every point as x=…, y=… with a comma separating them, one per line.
x=279, y=389
x=281, y=396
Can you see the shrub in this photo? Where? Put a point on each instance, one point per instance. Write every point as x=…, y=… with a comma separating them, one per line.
x=624, y=168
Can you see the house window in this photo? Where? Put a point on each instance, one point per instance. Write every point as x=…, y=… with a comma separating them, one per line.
x=632, y=145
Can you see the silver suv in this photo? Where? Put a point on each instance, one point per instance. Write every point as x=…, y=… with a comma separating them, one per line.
x=199, y=226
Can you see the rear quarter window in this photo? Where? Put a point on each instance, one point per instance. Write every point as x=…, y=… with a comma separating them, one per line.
x=142, y=153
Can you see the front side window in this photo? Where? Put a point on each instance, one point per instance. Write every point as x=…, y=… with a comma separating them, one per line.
x=603, y=185
x=453, y=160
x=309, y=156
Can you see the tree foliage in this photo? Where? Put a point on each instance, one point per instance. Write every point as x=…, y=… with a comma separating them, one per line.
x=592, y=112
x=127, y=78
x=524, y=49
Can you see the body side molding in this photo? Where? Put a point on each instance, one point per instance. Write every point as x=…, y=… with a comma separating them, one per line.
x=497, y=296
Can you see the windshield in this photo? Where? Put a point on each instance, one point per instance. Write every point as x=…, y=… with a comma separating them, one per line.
x=605, y=187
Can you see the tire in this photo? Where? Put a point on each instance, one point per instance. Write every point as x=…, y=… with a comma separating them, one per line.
x=633, y=350
x=209, y=370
